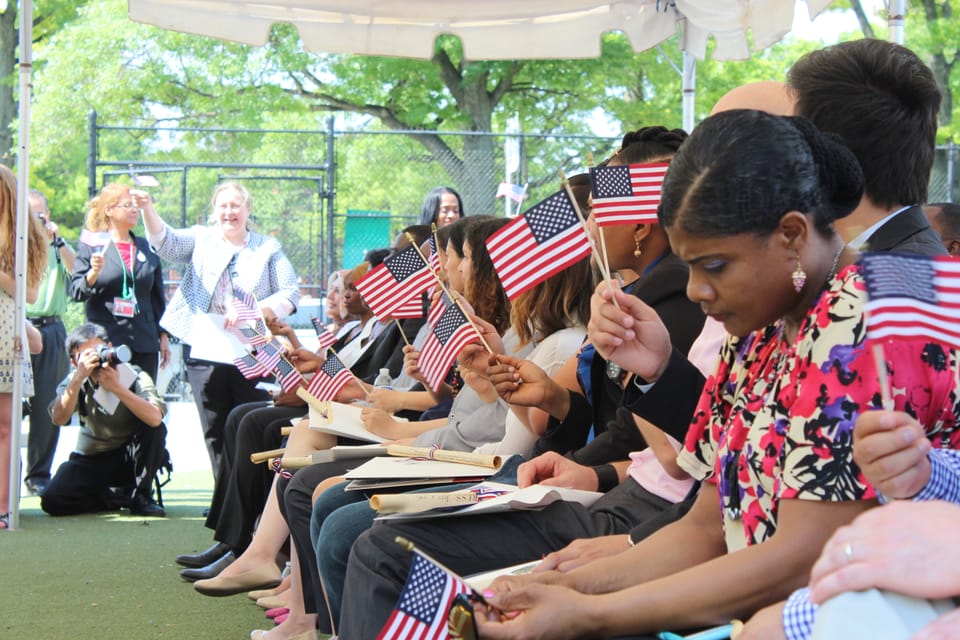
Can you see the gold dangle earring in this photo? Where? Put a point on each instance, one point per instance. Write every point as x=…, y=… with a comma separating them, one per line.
x=638, y=251
x=799, y=276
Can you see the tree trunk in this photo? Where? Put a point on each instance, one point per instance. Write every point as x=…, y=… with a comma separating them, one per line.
x=865, y=27
x=8, y=80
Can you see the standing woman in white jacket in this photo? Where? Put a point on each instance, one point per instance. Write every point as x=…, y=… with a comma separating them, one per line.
x=221, y=259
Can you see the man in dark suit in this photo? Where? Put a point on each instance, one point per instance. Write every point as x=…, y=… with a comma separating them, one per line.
x=882, y=100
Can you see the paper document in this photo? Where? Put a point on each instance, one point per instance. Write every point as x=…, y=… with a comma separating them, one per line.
x=495, y=497
x=107, y=399
x=209, y=341
x=342, y=420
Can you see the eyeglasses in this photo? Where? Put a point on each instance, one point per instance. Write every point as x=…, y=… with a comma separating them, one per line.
x=125, y=205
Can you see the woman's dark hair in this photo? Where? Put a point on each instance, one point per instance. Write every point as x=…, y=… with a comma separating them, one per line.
x=431, y=205
x=741, y=171
x=647, y=144
x=456, y=233
x=484, y=291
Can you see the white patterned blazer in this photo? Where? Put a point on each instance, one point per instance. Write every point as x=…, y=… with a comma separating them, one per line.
x=261, y=268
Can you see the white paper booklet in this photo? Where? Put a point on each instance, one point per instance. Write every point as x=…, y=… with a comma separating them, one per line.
x=342, y=420
x=494, y=497
x=394, y=472
x=480, y=581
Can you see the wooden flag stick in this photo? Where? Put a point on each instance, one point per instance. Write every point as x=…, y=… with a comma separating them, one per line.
x=436, y=247
x=601, y=259
x=886, y=394
x=453, y=299
x=402, y=334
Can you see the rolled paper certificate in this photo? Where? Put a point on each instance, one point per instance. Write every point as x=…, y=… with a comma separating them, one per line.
x=285, y=431
x=263, y=456
x=414, y=502
x=444, y=455
x=298, y=462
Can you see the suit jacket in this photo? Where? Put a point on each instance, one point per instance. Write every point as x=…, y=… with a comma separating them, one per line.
x=386, y=350
x=665, y=289
x=907, y=232
x=141, y=332
x=261, y=269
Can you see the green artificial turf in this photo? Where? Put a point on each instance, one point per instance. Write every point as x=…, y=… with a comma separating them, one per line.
x=112, y=576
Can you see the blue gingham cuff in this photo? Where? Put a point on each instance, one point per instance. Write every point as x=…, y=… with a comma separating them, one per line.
x=798, y=615
x=944, y=483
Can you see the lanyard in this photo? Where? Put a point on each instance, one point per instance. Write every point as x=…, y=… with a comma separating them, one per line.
x=128, y=292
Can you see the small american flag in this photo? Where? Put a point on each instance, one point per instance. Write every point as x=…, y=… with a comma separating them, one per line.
x=913, y=296
x=245, y=305
x=269, y=355
x=95, y=238
x=543, y=241
x=451, y=332
x=327, y=382
x=513, y=191
x=249, y=335
x=434, y=259
x=393, y=283
x=425, y=602
x=287, y=376
x=324, y=337
x=250, y=367
x=626, y=194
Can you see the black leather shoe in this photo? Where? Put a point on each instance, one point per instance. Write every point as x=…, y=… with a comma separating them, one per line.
x=199, y=560
x=212, y=570
x=146, y=506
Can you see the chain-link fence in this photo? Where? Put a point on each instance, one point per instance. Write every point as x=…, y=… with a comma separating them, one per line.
x=943, y=179
x=330, y=195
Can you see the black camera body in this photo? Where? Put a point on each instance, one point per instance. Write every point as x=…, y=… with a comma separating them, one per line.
x=110, y=356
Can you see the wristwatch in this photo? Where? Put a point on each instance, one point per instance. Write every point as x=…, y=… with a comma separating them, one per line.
x=59, y=243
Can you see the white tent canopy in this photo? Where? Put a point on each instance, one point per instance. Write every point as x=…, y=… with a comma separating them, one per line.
x=489, y=29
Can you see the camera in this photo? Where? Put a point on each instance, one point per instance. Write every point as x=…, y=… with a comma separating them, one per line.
x=110, y=356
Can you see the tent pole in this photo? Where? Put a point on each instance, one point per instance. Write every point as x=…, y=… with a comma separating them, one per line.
x=896, y=10
x=20, y=264
x=689, y=89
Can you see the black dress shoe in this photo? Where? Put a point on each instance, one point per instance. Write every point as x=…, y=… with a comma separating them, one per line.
x=212, y=570
x=198, y=560
x=146, y=506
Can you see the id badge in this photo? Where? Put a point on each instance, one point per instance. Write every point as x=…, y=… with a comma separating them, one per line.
x=124, y=308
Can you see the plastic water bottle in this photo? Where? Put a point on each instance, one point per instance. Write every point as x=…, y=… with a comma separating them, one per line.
x=383, y=380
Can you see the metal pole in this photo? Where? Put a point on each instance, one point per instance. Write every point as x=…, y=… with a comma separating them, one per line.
x=20, y=259
x=92, y=154
x=183, y=198
x=329, y=196
x=689, y=83
x=896, y=12
x=950, y=152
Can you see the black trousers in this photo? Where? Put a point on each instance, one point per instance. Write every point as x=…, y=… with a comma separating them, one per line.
x=82, y=484
x=378, y=567
x=296, y=504
x=242, y=486
x=217, y=389
x=50, y=366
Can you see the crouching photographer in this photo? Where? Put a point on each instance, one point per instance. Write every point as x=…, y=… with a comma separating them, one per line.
x=122, y=440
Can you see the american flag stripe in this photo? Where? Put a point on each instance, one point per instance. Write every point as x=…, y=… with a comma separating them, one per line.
x=412, y=308
x=626, y=195
x=546, y=239
x=912, y=296
x=245, y=305
x=394, y=282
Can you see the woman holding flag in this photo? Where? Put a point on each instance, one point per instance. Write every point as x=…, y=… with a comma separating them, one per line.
x=748, y=203
x=227, y=264
x=119, y=278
